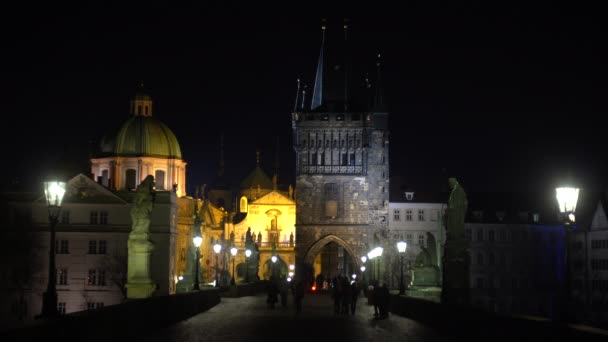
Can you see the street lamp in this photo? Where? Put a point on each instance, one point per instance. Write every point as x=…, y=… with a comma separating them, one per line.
x=217, y=248
x=247, y=255
x=197, y=240
x=566, y=200
x=274, y=261
x=53, y=191
x=233, y=251
x=401, y=246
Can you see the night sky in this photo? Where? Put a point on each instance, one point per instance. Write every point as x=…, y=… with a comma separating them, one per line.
x=508, y=98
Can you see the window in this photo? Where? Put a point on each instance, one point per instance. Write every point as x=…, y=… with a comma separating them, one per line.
x=344, y=159
x=408, y=214
x=491, y=235
x=313, y=158
x=480, y=259
x=243, y=205
x=62, y=276
x=434, y=215
x=479, y=235
x=159, y=179
x=352, y=159
x=105, y=175
x=421, y=240
x=65, y=216
x=103, y=217
x=61, y=247
x=130, y=179
x=491, y=259
x=502, y=236
x=467, y=234
x=94, y=217
x=321, y=160
x=331, y=200
x=396, y=215
x=94, y=305
x=92, y=246
x=61, y=308
x=479, y=283
x=102, y=247
x=420, y=215
x=97, y=277
x=409, y=238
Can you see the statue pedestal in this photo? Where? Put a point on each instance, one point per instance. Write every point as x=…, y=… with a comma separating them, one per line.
x=455, y=289
x=139, y=283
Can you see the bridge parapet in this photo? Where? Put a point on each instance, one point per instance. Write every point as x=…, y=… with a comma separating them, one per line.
x=477, y=325
x=118, y=322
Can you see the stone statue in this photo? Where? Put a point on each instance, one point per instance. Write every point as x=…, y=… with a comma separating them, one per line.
x=232, y=237
x=290, y=191
x=291, y=239
x=259, y=237
x=423, y=259
x=456, y=211
x=142, y=208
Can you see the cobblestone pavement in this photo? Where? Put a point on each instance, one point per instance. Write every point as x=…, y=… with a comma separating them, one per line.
x=248, y=319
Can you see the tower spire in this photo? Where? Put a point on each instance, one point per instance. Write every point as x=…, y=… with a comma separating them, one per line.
x=379, y=104
x=346, y=65
x=295, y=105
x=304, y=96
x=317, y=93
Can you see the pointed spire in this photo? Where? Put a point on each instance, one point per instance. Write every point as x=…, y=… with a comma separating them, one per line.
x=379, y=104
x=295, y=106
x=317, y=93
x=346, y=64
x=304, y=96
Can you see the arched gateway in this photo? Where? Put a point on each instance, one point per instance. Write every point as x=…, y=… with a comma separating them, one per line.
x=316, y=248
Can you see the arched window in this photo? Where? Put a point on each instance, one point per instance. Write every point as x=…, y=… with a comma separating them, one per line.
x=130, y=176
x=159, y=179
x=243, y=205
x=331, y=200
x=105, y=175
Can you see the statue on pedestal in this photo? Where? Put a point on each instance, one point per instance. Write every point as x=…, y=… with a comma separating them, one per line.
x=139, y=283
x=456, y=251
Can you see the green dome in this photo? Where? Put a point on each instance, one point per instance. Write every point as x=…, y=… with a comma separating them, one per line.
x=141, y=136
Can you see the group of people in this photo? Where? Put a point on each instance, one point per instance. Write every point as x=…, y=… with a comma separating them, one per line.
x=344, y=295
x=280, y=287
x=379, y=297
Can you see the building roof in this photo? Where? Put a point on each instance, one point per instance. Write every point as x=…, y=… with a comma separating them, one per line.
x=141, y=136
x=255, y=178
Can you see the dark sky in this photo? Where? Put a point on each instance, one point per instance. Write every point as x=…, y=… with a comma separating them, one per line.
x=503, y=98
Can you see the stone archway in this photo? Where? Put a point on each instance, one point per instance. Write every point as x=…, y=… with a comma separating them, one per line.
x=318, y=246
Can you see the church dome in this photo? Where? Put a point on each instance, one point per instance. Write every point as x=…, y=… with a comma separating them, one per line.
x=141, y=135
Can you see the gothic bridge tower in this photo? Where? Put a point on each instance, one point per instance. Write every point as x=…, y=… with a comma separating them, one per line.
x=340, y=136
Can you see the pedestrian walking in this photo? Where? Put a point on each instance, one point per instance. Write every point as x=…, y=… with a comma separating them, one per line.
x=354, y=296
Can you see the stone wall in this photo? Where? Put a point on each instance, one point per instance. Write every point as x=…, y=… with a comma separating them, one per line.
x=118, y=322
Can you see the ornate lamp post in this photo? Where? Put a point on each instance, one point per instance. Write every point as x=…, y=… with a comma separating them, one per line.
x=401, y=246
x=197, y=240
x=217, y=248
x=247, y=255
x=566, y=200
x=233, y=251
x=53, y=191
